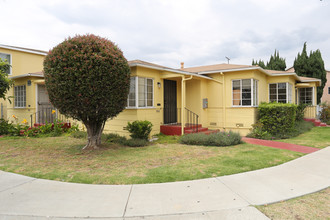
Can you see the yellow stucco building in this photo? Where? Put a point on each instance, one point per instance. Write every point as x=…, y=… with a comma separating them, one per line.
x=221, y=96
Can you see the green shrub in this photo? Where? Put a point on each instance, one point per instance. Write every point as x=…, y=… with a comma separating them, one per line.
x=325, y=113
x=139, y=129
x=114, y=138
x=215, y=139
x=277, y=118
x=259, y=132
x=134, y=142
x=300, y=112
x=5, y=127
x=301, y=127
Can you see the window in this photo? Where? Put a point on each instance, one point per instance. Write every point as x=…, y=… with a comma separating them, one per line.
x=306, y=96
x=280, y=92
x=20, y=96
x=328, y=90
x=245, y=92
x=6, y=58
x=141, y=92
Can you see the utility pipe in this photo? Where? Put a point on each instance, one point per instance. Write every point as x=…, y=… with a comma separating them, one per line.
x=183, y=100
x=224, y=100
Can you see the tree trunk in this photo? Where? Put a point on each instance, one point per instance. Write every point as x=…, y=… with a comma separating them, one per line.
x=94, y=132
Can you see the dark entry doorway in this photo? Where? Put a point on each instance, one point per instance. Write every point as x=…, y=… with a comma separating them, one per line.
x=170, y=102
x=44, y=109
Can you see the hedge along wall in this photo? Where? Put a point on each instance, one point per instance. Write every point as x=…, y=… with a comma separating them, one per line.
x=277, y=118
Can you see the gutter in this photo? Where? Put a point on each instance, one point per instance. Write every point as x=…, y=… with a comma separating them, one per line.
x=26, y=75
x=169, y=70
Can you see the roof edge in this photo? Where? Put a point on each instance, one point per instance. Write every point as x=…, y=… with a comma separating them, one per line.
x=26, y=75
x=168, y=69
x=23, y=49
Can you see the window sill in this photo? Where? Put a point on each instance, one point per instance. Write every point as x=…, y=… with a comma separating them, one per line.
x=135, y=108
x=238, y=106
x=19, y=107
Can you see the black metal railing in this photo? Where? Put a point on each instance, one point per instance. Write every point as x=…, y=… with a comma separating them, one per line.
x=46, y=115
x=192, y=120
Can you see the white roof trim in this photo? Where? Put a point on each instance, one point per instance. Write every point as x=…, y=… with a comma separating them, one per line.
x=168, y=69
x=231, y=70
x=23, y=50
x=252, y=68
x=310, y=80
x=26, y=75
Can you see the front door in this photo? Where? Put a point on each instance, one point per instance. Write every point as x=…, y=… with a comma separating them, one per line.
x=44, y=111
x=170, y=103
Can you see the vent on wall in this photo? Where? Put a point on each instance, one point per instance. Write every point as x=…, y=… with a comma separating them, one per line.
x=213, y=123
x=239, y=125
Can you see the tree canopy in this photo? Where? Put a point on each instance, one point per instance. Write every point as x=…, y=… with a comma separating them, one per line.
x=311, y=66
x=87, y=78
x=5, y=83
x=275, y=62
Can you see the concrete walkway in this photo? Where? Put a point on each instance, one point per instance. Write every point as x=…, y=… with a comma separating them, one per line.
x=227, y=197
x=280, y=145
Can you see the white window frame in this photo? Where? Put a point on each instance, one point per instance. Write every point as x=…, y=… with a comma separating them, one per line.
x=254, y=93
x=145, y=94
x=10, y=62
x=313, y=94
x=288, y=92
x=21, y=103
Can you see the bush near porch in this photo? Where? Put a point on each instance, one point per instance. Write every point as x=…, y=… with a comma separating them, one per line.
x=216, y=139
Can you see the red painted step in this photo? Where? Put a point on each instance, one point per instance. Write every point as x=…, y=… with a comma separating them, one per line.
x=316, y=122
x=175, y=129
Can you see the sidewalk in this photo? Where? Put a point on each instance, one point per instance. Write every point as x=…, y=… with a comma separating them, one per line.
x=227, y=197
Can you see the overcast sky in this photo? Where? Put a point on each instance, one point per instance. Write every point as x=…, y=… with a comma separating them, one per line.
x=167, y=32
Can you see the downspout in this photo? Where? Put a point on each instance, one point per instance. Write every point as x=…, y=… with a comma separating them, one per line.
x=183, y=100
x=224, y=100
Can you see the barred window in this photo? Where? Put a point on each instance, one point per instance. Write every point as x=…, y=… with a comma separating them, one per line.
x=20, y=96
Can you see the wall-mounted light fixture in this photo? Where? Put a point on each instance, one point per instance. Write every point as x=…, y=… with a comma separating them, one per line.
x=158, y=84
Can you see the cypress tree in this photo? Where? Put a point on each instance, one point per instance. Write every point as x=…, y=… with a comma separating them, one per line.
x=259, y=63
x=301, y=65
x=311, y=66
x=275, y=62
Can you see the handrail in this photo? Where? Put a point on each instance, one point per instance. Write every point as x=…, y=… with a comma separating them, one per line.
x=46, y=115
x=192, y=120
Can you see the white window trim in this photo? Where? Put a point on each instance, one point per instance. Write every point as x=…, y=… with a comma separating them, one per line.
x=10, y=62
x=252, y=96
x=286, y=94
x=146, y=96
x=313, y=95
x=19, y=107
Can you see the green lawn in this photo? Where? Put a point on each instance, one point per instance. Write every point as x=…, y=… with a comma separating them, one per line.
x=61, y=158
x=313, y=206
x=318, y=137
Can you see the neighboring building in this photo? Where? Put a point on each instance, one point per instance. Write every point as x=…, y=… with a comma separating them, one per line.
x=326, y=90
x=224, y=96
x=29, y=87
